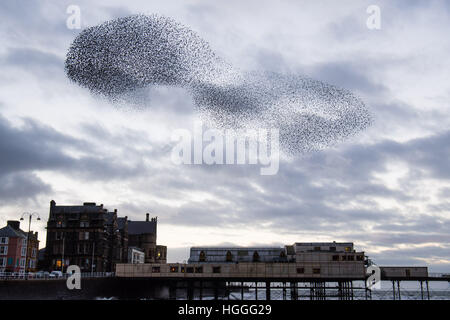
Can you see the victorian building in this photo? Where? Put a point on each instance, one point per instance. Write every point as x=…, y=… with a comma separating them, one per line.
x=96, y=239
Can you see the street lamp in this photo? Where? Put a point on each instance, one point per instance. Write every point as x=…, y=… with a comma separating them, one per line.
x=30, y=216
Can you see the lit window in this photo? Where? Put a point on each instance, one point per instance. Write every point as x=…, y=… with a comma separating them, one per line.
x=173, y=269
x=229, y=257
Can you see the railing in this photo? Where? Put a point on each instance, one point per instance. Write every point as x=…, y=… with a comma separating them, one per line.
x=439, y=275
x=51, y=276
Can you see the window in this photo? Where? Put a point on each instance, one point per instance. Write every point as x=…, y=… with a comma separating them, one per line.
x=216, y=269
x=408, y=272
x=351, y=258
x=3, y=250
x=189, y=270
x=24, y=251
x=332, y=248
x=360, y=258
x=344, y=258
x=4, y=240
x=33, y=254
x=242, y=253
x=316, y=270
x=22, y=262
x=316, y=248
x=2, y=262
x=84, y=224
x=156, y=269
x=336, y=257
x=348, y=249
x=300, y=270
x=183, y=270
x=24, y=242
x=10, y=261
x=229, y=257
x=198, y=269
x=84, y=236
x=202, y=257
x=173, y=269
x=255, y=256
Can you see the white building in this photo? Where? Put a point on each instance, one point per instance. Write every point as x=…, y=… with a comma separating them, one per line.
x=135, y=255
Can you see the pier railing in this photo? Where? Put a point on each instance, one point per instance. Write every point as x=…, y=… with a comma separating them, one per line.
x=50, y=276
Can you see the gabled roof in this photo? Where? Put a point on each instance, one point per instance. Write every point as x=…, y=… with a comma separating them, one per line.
x=10, y=232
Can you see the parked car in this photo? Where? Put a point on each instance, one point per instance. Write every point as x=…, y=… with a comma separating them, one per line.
x=55, y=274
x=18, y=275
x=42, y=274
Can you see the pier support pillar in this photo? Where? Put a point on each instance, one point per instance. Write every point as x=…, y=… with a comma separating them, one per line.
x=421, y=289
x=393, y=289
x=268, y=290
x=190, y=290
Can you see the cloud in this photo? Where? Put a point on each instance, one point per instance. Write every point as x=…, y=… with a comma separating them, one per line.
x=387, y=190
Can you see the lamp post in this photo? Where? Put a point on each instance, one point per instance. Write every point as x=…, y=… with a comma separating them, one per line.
x=30, y=217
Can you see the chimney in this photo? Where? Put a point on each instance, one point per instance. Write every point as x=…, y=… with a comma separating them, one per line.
x=147, y=215
x=13, y=224
x=52, y=203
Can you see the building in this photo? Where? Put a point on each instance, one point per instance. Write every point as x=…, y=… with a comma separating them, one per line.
x=135, y=255
x=82, y=235
x=311, y=259
x=96, y=239
x=142, y=234
x=215, y=255
x=13, y=249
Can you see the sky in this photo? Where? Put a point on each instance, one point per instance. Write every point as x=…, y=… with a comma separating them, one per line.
x=386, y=189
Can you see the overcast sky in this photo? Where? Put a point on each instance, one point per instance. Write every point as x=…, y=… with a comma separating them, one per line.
x=387, y=189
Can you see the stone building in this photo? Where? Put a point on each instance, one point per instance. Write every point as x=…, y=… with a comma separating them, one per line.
x=96, y=239
x=142, y=234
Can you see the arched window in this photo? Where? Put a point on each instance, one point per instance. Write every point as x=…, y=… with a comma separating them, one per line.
x=202, y=257
x=229, y=256
x=255, y=256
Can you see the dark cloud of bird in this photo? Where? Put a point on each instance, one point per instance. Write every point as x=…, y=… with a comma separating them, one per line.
x=120, y=57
